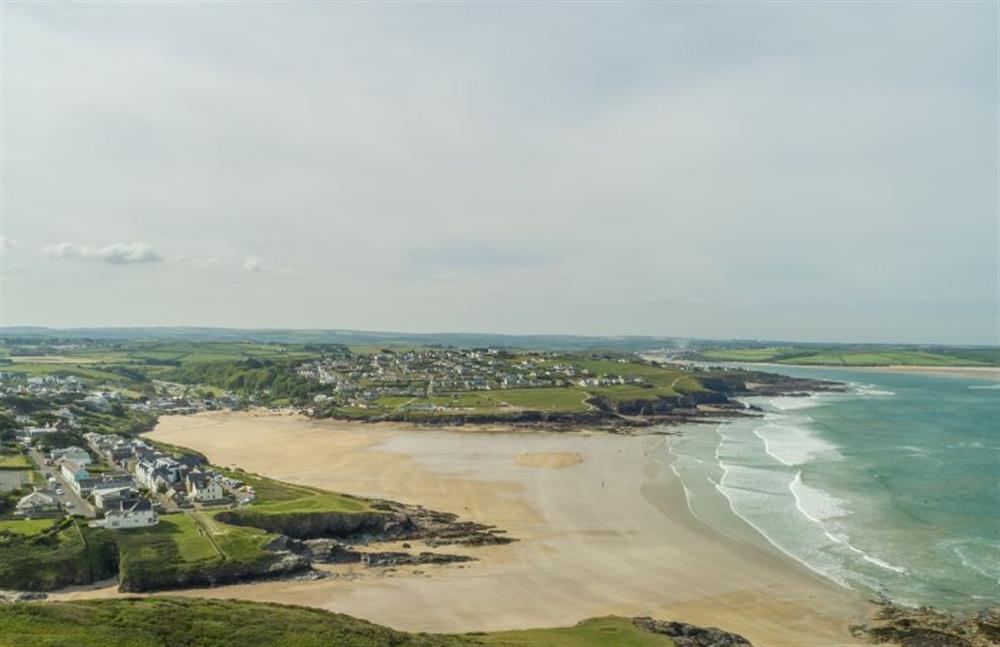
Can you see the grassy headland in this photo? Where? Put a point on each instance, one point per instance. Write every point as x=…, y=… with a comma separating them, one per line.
x=164, y=621
x=859, y=356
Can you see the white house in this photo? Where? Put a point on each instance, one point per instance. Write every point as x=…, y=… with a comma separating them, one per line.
x=135, y=514
x=73, y=471
x=201, y=488
x=34, y=433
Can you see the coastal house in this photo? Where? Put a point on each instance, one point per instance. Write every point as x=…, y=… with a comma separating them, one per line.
x=78, y=455
x=86, y=486
x=202, y=488
x=129, y=514
x=112, y=498
x=32, y=434
x=101, y=400
x=159, y=470
x=73, y=471
x=37, y=504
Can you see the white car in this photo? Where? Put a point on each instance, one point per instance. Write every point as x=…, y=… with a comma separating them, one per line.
x=59, y=490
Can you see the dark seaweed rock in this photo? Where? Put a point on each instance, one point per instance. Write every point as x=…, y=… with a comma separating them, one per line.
x=926, y=627
x=685, y=635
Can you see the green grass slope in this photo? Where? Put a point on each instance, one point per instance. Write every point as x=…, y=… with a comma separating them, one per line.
x=857, y=356
x=595, y=632
x=189, y=549
x=168, y=622
x=42, y=555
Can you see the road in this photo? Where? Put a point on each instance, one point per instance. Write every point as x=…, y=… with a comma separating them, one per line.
x=70, y=500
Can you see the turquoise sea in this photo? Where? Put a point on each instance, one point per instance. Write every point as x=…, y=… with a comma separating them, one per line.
x=891, y=488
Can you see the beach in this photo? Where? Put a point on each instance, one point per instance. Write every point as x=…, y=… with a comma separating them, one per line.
x=602, y=521
x=984, y=372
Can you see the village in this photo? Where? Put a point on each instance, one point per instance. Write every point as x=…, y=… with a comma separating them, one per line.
x=359, y=380
x=124, y=483
x=78, y=457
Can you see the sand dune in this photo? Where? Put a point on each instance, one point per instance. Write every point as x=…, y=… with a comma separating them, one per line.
x=609, y=535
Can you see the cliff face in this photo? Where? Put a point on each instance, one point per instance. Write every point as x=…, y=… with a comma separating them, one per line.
x=388, y=521
x=57, y=559
x=311, y=525
x=160, y=577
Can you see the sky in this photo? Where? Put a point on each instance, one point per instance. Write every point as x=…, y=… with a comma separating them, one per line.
x=794, y=171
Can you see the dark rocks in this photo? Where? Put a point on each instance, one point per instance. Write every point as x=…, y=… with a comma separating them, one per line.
x=409, y=559
x=928, y=627
x=409, y=522
x=330, y=551
x=685, y=635
x=308, y=525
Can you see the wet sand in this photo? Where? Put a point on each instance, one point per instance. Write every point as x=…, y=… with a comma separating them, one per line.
x=607, y=534
x=549, y=459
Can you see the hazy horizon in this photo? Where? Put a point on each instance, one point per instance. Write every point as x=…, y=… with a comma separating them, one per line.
x=487, y=333
x=717, y=171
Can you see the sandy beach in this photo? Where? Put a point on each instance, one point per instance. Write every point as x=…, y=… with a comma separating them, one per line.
x=602, y=522
x=985, y=372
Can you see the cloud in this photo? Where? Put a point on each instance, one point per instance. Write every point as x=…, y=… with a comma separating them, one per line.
x=525, y=155
x=7, y=243
x=254, y=264
x=194, y=262
x=116, y=254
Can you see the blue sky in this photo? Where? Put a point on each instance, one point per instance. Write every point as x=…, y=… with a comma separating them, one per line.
x=787, y=170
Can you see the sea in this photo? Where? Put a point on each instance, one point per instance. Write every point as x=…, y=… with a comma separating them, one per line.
x=891, y=488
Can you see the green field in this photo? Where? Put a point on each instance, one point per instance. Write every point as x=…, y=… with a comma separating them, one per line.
x=278, y=496
x=742, y=355
x=168, y=622
x=14, y=460
x=859, y=356
x=887, y=358
x=152, y=352
x=26, y=526
x=52, y=554
x=79, y=370
x=180, y=531
x=596, y=632
x=187, y=549
x=497, y=401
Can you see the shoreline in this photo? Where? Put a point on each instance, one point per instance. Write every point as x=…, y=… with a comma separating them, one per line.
x=984, y=372
x=604, y=528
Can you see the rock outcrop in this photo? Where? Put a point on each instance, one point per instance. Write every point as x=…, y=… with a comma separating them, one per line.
x=927, y=627
x=388, y=521
x=277, y=564
x=685, y=635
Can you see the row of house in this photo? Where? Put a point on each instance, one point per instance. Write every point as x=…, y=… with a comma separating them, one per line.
x=180, y=478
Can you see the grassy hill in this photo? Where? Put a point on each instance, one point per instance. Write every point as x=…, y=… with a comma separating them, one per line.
x=855, y=356
x=167, y=622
